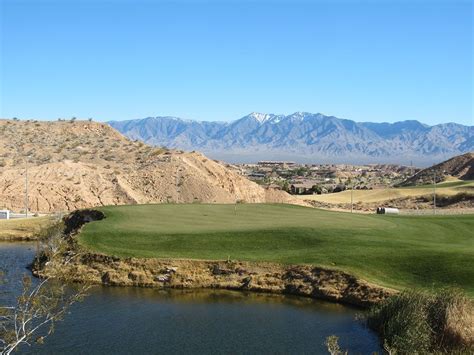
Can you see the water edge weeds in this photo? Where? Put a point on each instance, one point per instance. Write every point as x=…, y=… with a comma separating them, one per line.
x=416, y=321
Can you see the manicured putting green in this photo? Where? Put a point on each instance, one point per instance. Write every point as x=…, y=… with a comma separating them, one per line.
x=396, y=251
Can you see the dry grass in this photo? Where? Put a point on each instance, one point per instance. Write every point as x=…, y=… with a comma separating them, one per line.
x=22, y=229
x=380, y=195
x=414, y=322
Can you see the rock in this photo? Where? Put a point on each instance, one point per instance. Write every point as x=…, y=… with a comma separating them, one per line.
x=217, y=270
x=163, y=278
x=246, y=282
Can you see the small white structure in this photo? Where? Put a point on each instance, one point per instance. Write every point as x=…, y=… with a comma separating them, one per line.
x=387, y=210
x=4, y=214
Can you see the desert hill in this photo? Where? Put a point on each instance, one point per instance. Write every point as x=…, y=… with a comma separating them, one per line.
x=77, y=164
x=459, y=167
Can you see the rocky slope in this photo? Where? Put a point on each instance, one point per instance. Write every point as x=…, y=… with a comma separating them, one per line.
x=306, y=137
x=81, y=164
x=460, y=167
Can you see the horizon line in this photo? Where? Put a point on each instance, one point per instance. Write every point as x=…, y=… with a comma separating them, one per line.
x=75, y=118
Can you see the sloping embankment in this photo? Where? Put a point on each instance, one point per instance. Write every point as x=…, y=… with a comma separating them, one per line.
x=303, y=280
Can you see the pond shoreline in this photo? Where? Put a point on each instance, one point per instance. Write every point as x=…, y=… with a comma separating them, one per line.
x=301, y=280
x=262, y=322
x=17, y=239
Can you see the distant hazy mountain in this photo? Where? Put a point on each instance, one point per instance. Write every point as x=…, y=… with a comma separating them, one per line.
x=305, y=137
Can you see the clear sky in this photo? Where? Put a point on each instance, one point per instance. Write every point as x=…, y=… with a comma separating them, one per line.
x=207, y=60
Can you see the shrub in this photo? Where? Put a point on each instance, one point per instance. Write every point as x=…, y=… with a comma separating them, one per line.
x=401, y=322
x=419, y=322
x=156, y=152
x=332, y=344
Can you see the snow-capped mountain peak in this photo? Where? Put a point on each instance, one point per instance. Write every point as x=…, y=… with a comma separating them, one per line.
x=261, y=117
x=304, y=136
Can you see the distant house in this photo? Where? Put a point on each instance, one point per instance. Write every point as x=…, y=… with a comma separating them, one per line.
x=271, y=163
x=302, y=188
x=4, y=214
x=256, y=176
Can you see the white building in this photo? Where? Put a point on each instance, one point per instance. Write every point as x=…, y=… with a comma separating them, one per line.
x=4, y=214
x=387, y=210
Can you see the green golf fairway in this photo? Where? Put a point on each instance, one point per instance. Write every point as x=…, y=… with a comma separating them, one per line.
x=395, y=251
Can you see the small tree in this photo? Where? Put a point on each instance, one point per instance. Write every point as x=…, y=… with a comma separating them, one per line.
x=40, y=306
x=317, y=189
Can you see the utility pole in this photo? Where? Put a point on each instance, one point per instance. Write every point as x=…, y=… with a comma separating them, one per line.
x=178, y=189
x=352, y=198
x=434, y=193
x=26, y=187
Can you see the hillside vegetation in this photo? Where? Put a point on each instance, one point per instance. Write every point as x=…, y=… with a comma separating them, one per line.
x=454, y=189
x=391, y=251
x=77, y=164
x=459, y=167
x=449, y=188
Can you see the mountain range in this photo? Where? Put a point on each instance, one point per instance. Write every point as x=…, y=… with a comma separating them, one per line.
x=305, y=137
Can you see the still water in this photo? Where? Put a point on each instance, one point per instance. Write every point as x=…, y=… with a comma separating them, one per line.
x=145, y=321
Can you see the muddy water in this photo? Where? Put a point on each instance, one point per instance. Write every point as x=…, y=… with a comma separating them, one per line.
x=145, y=321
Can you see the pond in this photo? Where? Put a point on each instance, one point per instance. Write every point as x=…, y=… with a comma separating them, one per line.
x=115, y=320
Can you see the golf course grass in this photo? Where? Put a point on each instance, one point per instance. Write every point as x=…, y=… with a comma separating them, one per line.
x=394, y=251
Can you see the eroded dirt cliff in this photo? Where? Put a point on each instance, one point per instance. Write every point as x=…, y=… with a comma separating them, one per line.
x=77, y=164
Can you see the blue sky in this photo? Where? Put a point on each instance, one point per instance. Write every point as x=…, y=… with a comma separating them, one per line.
x=363, y=60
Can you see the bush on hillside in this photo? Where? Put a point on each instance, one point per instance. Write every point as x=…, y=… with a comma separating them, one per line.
x=419, y=322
